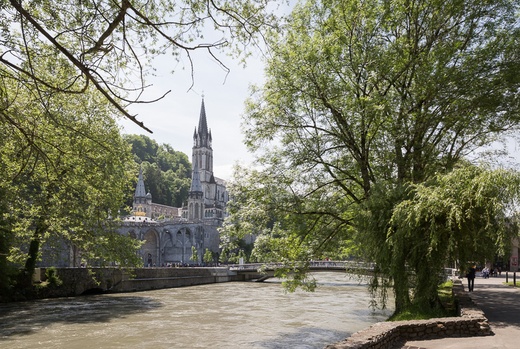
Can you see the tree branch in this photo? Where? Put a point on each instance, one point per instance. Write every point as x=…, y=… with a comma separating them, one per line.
x=83, y=68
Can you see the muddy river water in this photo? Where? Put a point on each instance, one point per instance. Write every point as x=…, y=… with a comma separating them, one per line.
x=227, y=315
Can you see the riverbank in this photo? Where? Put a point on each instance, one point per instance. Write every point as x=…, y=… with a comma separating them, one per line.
x=488, y=320
x=499, y=303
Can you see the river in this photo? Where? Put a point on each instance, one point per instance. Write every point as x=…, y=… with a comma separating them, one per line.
x=223, y=316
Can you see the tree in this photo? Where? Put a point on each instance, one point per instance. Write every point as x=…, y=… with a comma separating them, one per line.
x=110, y=44
x=365, y=100
x=167, y=172
x=65, y=174
x=194, y=254
x=464, y=215
x=208, y=257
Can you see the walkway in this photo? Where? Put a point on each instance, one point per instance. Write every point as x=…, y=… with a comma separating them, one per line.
x=501, y=305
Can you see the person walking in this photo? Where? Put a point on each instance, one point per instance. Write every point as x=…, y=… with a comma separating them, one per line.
x=471, y=278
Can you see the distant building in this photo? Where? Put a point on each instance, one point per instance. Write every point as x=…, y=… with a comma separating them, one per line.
x=170, y=233
x=144, y=209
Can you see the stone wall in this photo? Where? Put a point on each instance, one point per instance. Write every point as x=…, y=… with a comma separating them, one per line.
x=77, y=281
x=471, y=322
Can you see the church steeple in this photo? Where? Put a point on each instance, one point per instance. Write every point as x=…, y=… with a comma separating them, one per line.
x=202, y=153
x=140, y=191
x=202, y=135
x=142, y=200
x=208, y=196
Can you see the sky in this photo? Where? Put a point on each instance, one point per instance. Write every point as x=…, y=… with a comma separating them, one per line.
x=173, y=119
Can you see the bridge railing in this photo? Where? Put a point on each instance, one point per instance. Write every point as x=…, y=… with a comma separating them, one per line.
x=312, y=265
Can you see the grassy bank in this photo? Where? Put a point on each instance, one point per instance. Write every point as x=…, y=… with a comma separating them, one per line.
x=447, y=307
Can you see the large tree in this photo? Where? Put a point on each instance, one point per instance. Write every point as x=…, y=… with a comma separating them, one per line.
x=65, y=174
x=365, y=100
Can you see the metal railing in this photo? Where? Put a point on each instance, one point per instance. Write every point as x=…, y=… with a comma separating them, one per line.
x=312, y=265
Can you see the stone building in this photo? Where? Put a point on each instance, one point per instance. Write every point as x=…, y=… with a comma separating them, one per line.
x=143, y=207
x=171, y=234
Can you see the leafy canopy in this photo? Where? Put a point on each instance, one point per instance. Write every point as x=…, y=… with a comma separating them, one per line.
x=364, y=101
x=64, y=175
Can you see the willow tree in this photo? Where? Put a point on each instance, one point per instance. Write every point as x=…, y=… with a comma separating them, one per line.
x=364, y=100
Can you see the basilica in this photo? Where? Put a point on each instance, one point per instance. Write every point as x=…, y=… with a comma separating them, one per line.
x=182, y=235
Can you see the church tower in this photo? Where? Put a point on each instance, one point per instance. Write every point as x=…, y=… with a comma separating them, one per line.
x=213, y=190
x=202, y=152
x=196, y=197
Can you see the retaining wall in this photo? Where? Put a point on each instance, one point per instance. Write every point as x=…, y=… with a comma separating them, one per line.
x=382, y=335
x=77, y=281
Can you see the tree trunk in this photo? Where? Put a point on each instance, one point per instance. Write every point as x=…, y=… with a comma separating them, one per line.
x=25, y=277
x=5, y=242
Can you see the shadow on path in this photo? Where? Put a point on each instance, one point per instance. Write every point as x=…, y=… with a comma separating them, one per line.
x=499, y=303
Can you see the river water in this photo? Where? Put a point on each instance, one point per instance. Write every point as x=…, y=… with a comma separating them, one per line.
x=226, y=315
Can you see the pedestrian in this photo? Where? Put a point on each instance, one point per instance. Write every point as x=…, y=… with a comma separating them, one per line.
x=471, y=278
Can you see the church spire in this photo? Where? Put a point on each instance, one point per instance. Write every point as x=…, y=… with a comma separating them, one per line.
x=202, y=134
x=140, y=191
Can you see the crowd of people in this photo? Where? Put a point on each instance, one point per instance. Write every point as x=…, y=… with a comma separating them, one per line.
x=487, y=272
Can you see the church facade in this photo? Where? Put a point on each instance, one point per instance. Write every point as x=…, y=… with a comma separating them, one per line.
x=182, y=235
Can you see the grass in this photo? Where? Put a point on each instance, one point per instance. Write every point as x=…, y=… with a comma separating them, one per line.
x=446, y=308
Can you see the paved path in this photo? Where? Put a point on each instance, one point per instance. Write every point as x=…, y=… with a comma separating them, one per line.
x=500, y=304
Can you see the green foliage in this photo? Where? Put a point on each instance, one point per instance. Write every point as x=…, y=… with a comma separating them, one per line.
x=51, y=274
x=64, y=173
x=167, y=173
x=194, y=254
x=367, y=108
x=208, y=256
x=460, y=216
